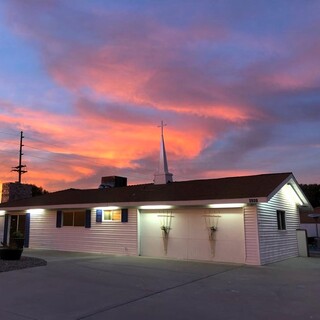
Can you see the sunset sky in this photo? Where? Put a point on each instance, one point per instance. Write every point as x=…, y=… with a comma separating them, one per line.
x=88, y=82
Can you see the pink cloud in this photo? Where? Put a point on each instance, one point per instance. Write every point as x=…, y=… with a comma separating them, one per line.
x=221, y=89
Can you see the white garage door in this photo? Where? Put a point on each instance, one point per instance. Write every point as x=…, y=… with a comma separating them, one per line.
x=190, y=236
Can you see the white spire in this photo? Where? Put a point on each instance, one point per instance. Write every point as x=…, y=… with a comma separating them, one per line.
x=163, y=175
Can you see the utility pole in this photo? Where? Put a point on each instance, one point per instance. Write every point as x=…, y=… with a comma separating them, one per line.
x=20, y=168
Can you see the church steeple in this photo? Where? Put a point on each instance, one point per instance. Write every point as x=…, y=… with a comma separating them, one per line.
x=163, y=175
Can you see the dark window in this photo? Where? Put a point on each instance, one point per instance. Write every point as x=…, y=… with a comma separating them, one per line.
x=59, y=219
x=88, y=218
x=99, y=215
x=22, y=223
x=74, y=218
x=79, y=218
x=67, y=219
x=281, y=219
x=124, y=215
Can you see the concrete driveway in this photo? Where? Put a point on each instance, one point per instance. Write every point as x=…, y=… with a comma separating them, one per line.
x=91, y=286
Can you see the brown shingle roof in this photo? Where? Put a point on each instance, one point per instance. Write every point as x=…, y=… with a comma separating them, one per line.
x=210, y=189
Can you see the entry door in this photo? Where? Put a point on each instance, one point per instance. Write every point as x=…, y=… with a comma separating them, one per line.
x=17, y=223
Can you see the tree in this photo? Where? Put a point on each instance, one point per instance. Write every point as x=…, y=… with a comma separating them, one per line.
x=312, y=192
x=38, y=191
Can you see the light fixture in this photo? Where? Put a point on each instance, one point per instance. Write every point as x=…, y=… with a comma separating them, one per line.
x=35, y=211
x=2, y=212
x=159, y=207
x=227, y=205
x=107, y=208
x=293, y=193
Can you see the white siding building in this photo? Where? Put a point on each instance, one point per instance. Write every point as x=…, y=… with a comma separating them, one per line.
x=250, y=220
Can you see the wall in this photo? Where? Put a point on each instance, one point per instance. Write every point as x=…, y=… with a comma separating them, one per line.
x=105, y=237
x=276, y=245
x=311, y=228
x=251, y=235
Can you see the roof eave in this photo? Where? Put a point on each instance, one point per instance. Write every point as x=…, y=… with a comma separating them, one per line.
x=188, y=203
x=291, y=180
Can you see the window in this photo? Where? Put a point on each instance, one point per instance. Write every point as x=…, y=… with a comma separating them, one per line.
x=120, y=215
x=74, y=218
x=281, y=219
x=79, y=219
x=111, y=215
x=67, y=219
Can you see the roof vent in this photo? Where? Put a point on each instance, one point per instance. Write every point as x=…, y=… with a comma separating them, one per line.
x=113, y=182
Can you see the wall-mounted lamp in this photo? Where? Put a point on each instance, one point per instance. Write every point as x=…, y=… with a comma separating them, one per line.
x=157, y=207
x=35, y=211
x=107, y=208
x=226, y=205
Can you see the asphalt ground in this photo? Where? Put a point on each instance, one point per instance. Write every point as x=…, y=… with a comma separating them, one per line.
x=93, y=286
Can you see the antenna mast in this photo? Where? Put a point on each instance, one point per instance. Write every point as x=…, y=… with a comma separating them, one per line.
x=20, y=168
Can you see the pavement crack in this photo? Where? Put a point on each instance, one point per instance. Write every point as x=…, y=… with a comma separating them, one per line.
x=19, y=315
x=119, y=305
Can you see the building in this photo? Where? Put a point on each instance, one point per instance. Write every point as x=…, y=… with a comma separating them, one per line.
x=250, y=219
x=309, y=220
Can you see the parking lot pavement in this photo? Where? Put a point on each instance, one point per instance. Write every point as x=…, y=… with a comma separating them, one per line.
x=92, y=286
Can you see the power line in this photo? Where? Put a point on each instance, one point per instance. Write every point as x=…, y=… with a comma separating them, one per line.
x=46, y=143
x=83, y=158
x=8, y=151
x=56, y=153
x=35, y=148
x=52, y=152
x=30, y=138
x=86, y=159
x=44, y=150
x=47, y=159
x=10, y=143
x=79, y=158
x=7, y=133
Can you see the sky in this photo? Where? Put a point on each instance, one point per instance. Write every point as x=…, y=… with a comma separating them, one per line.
x=89, y=82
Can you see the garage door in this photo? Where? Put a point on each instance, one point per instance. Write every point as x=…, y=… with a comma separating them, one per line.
x=190, y=236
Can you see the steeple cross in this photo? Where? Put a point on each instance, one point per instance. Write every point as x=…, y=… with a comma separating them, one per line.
x=161, y=126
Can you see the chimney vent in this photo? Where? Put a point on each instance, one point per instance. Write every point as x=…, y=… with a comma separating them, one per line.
x=113, y=182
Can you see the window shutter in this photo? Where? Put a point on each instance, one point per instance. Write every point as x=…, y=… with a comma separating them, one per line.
x=99, y=215
x=124, y=215
x=5, y=231
x=27, y=231
x=59, y=219
x=88, y=219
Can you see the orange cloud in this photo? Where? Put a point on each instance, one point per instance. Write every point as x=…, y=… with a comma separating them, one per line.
x=70, y=150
